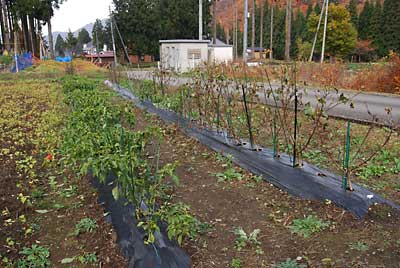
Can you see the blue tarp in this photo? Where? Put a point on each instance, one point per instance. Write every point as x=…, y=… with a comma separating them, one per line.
x=24, y=61
x=64, y=59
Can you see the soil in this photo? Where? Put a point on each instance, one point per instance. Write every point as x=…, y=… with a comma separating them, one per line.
x=254, y=205
x=51, y=211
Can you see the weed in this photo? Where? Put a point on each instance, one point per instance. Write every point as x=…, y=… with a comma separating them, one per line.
x=243, y=239
x=87, y=258
x=236, y=263
x=34, y=257
x=308, y=226
x=71, y=191
x=85, y=225
x=372, y=171
x=289, y=263
x=229, y=175
x=359, y=246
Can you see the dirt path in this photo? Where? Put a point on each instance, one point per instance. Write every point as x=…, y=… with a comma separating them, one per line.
x=251, y=204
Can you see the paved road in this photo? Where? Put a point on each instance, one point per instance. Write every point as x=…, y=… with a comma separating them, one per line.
x=365, y=104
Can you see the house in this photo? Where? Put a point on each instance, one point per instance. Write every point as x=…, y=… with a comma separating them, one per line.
x=181, y=55
x=104, y=57
x=220, y=52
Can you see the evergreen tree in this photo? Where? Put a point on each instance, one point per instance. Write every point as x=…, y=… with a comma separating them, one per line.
x=299, y=31
x=84, y=37
x=60, y=46
x=98, y=34
x=71, y=42
x=364, y=23
x=279, y=33
x=309, y=8
x=142, y=24
x=317, y=8
x=391, y=26
x=376, y=27
x=352, y=8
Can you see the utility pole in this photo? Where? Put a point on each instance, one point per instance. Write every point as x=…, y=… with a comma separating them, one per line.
x=214, y=3
x=271, y=46
x=246, y=11
x=288, y=29
x=236, y=30
x=261, y=23
x=113, y=40
x=200, y=20
x=253, y=28
x=316, y=33
x=16, y=50
x=324, y=37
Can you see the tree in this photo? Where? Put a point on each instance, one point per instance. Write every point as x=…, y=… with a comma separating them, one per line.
x=391, y=26
x=143, y=23
x=98, y=34
x=364, y=23
x=71, y=42
x=341, y=35
x=352, y=8
x=288, y=29
x=60, y=45
x=84, y=37
x=309, y=8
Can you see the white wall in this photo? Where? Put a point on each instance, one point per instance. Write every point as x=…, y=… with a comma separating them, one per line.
x=175, y=56
x=220, y=54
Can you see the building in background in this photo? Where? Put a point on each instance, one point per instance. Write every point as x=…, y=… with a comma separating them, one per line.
x=220, y=52
x=181, y=55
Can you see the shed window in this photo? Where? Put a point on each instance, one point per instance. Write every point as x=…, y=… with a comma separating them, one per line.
x=194, y=54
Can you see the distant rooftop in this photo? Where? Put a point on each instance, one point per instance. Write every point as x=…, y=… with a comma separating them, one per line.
x=189, y=41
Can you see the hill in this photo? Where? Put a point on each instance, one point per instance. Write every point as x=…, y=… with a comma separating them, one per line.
x=88, y=28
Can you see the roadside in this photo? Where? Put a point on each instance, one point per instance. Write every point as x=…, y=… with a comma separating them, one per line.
x=365, y=107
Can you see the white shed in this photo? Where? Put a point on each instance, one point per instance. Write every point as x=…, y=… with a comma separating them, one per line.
x=182, y=55
x=220, y=52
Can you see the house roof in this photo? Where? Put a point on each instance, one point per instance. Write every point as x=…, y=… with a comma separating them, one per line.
x=219, y=43
x=186, y=41
x=103, y=54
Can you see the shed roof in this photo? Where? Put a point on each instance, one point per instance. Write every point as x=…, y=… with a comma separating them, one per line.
x=186, y=41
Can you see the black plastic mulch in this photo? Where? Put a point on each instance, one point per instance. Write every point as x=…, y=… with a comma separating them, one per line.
x=308, y=182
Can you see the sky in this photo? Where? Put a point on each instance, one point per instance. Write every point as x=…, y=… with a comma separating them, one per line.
x=74, y=14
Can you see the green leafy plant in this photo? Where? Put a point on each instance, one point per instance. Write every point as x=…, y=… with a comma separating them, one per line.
x=229, y=174
x=243, y=239
x=34, y=257
x=236, y=263
x=289, y=263
x=359, y=246
x=308, y=226
x=87, y=258
x=85, y=225
x=181, y=224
